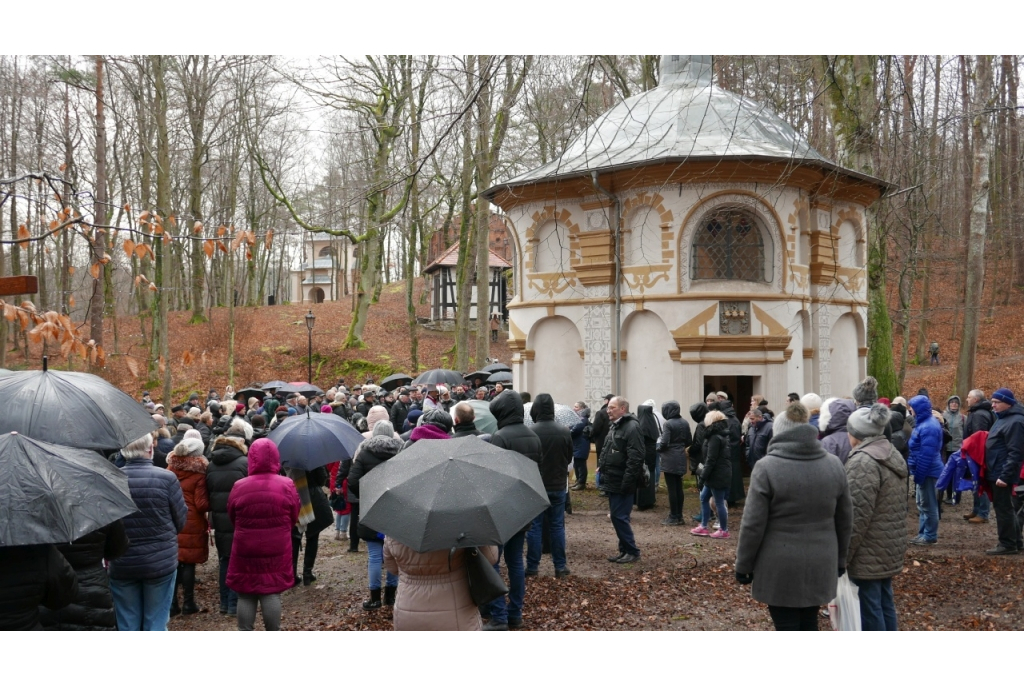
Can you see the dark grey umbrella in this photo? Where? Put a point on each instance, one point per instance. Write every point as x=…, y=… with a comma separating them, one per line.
x=272, y=386
x=496, y=366
x=313, y=439
x=301, y=388
x=54, y=493
x=395, y=380
x=435, y=376
x=503, y=377
x=244, y=394
x=71, y=408
x=440, y=494
x=481, y=374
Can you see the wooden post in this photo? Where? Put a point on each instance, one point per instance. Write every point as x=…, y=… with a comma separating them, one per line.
x=19, y=285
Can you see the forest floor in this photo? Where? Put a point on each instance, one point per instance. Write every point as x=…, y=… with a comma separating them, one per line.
x=681, y=582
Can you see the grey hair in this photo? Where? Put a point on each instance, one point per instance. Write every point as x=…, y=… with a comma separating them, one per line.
x=977, y=394
x=140, y=448
x=240, y=427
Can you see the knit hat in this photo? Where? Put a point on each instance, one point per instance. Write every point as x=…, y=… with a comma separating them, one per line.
x=712, y=397
x=794, y=414
x=189, y=447
x=1005, y=395
x=193, y=434
x=239, y=408
x=326, y=409
x=384, y=428
x=811, y=401
x=413, y=416
x=376, y=413
x=439, y=418
x=868, y=422
x=195, y=412
x=866, y=392
x=884, y=400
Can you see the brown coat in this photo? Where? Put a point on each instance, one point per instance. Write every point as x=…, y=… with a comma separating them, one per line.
x=430, y=596
x=193, y=541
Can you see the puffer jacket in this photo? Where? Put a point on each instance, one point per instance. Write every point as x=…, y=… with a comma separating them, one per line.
x=877, y=476
x=925, y=442
x=674, y=440
x=93, y=605
x=717, y=473
x=153, y=530
x=836, y=438
x=193, y=542
x=696, y=451
x=263, y=507
x=433, y=591
x=371, y=454
x=622, y=460
x=1004, y=448
x=954, y=424
x=30, y=577
x=513, y=434
x=228, y=465
x=555, y=443
x=580, y=442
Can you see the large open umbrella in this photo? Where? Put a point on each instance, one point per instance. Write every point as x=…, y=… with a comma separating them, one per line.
x=244, y=394
x=435, y=376
x=564, y=415
x=440, y=494
x=71, y=408
x=395, y=380
x=301, y=388
x=54, y=493
x=483, y=419
x=272, y=386
x=496, y=366
x=313, y=439
x=500, y=377
x=481, y=374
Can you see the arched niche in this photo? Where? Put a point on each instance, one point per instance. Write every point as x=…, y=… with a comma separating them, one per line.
x=647, y=368
x=847, y=338
x=557, y=366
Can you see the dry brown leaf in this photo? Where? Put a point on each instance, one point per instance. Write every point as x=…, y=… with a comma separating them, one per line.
x=63, y=167
x=158, y=229
x=127, y=207
x=23, y=234
x=208, y=248
x=129, y=247
x=71, y=300
x=94, y=270
x=268, y=238
x=221, y=247
x=197, y=227
x=172, y=220
x=105, y=258
x=221, y=230
x=187, y=358
x=152, y=286
x=10, y=313
x=160, y=364
x=141, y=249
x=71, y=271
x=167, y=239
x=133, y=366
x=248, y=255
x=144, y=217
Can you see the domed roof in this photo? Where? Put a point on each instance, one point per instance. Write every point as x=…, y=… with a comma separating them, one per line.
x=686, y=118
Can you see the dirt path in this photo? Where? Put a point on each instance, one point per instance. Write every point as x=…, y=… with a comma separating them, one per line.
x=681, y=583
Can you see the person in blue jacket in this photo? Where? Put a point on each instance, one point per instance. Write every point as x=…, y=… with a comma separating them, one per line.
x=1004, y=452
x=925, y=464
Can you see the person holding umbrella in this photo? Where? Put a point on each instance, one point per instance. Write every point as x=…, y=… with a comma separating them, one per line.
x=263, y=507
x=378, y=449
x=142, y=580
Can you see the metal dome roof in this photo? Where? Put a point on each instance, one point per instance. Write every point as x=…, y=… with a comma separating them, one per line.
x=685, y=118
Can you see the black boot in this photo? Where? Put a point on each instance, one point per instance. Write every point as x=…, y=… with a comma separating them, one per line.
x=374, y=601
x=187, y=573
x=389, y=595
x=308, y=577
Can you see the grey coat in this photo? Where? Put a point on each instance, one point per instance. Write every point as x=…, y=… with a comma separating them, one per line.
x=878, y=489
x=796, y=522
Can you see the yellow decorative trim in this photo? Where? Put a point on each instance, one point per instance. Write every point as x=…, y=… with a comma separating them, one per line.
x=734, y=343
x=773, y=326
x=731, y=360
x=674, y=355
x=528, y=355
x=808, y=353
x=691, y=296
x=787, y=354
x=643, y=277
x=550, y=284
x=692, y=327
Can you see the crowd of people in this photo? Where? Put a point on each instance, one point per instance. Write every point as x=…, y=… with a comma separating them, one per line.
x=827, y=495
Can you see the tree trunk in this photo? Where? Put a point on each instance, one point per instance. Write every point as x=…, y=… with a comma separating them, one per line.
x=99, y=213
x=979, y=216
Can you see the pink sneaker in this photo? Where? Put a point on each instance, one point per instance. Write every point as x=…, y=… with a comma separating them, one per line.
x=720, y=534
x=701, y=531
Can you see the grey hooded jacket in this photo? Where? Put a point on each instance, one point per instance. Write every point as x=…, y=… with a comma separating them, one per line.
x=878, y=490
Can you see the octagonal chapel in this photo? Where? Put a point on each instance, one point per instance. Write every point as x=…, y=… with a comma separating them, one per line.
x=689, y=241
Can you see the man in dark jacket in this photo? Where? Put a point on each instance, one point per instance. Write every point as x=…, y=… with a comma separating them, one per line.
x=465, y=417
x=30, y=577
x=736, y=494
x=979, y=418
x=1004, y=453
x=229, y=464
x=620, y=466
x=556, y=455
x=758, y=435
x=512, y=434
x=601, y=425
x=400, y=409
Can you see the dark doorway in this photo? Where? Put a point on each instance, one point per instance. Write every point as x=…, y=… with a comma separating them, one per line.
x=318, y=295
x=739, y=388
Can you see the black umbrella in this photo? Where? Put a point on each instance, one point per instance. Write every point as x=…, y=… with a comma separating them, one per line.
x=496, y=366
x=244, y=394
x=54, y=494
x=482, y=375
x=272, y=386
x=440, y=494
x=500, y=377
x=301, y=388
x=395, y=380
x=313, y=439
x=71, y=408
x=436, y=376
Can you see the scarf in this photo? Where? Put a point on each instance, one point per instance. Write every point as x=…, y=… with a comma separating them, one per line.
x=306, y=514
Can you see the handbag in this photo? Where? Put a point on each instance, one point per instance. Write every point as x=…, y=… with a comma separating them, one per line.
x=485, y=585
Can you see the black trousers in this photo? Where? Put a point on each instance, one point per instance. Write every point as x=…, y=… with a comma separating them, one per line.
x=794, y=618
x=186, y=579
x=1006, y=522
x=736, y=487
x=674, y=484
x=580, y=469
x=353, y=528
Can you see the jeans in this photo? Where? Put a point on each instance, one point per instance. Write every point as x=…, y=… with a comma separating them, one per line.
x=502, y=612
x=656, y=476
x=143, y=604
x=341, y=522
x=928, y=510
x=705, y=506
x=375, y=564
x=981, y=505
x=1006, y=520
x=228, y=597
x=877, y=608
x=794, y=618
x=674, y=484
x=554, y=515
x=620, y=507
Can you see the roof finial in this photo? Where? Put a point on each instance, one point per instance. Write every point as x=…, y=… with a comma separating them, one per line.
x=686, y=70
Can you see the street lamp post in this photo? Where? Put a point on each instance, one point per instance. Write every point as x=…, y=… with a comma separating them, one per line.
x=310, y=320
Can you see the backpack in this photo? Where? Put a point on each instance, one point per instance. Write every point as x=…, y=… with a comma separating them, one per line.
x=588, y=431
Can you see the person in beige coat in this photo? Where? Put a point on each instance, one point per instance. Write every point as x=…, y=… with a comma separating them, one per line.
x=878, y=490
x=433, y=590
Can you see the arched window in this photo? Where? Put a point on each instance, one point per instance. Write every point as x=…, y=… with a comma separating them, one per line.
x=729, y=245
x=324, y=252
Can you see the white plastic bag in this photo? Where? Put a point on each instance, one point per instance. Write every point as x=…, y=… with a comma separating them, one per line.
x=844, y=610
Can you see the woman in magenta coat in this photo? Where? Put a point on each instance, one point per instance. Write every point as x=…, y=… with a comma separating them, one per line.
x=263, y=508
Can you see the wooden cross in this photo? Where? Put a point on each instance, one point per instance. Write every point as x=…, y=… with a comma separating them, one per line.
x=19, y=285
